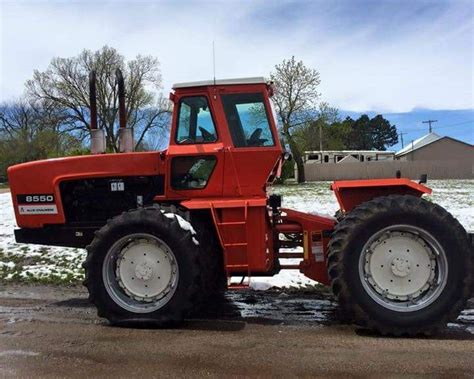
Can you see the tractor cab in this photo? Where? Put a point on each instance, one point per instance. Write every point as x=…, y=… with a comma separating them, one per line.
x=222, y=129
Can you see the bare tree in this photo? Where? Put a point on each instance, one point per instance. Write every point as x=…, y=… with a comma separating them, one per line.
x=17, y=118
x=64, y=85
x=296, y=95
x=31, y=131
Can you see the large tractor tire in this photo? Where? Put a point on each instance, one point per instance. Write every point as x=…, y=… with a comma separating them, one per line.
x=400, y=265
x=143, y=267
x=214, y=276
x=211, y=258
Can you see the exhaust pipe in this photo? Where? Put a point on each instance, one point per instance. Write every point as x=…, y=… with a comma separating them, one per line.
x=97, y=135
x=125, y=134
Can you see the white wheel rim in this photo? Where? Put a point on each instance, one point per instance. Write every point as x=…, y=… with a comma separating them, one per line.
x=403, y=268
x=140, y=273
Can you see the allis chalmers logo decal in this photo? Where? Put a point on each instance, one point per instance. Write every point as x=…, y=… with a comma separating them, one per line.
x=36, y=204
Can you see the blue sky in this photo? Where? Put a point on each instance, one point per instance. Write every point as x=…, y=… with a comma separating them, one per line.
x=388, y=57
x=457, y=124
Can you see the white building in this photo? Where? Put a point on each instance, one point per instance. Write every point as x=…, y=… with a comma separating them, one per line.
x=346, y=156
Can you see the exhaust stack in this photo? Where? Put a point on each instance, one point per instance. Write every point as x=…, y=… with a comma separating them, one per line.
x=97, y=135
x=125, y=134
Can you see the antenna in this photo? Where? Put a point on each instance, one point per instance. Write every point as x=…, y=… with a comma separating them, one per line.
x=214, y=61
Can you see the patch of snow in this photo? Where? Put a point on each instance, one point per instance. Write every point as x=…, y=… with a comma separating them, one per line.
x=7, y=265
x=185, y=225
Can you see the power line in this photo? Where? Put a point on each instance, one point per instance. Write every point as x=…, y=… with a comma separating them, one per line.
x=442, y=127
x=430, y=122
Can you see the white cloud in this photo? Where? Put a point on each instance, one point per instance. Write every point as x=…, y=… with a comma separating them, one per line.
x=403, y=60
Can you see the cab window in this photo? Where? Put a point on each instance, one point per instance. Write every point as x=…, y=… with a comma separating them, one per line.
x=247, y=119
x=195, y=123
x=192, y=172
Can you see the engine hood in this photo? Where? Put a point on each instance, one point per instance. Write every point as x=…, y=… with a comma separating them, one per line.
x=43, y=178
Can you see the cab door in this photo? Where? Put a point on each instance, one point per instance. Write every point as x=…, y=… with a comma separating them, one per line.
x=195, y=157
x=255, y=146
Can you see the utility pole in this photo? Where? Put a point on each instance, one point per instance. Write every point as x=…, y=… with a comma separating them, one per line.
x=401, y=137
x=429, y=122
x=321, y=140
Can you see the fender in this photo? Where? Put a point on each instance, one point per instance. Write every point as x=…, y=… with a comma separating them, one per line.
x=351, y=193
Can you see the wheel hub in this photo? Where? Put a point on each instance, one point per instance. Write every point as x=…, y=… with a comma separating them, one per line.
x=400, y=269
x=145, y=270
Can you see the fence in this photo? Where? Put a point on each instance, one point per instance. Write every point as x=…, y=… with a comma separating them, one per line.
x=438, y=169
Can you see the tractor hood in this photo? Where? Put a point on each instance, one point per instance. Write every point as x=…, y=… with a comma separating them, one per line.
x=35, y=185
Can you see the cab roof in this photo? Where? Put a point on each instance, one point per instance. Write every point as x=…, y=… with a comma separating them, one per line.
x=220, y=82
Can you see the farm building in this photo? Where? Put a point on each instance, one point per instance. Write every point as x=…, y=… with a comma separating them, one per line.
x=438, y=157
x=433, y=147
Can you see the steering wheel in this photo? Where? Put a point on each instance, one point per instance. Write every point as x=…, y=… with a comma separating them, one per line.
x=254, y=139
x=208, y=137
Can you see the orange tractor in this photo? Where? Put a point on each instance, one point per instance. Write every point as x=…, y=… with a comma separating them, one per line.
x=164, y=230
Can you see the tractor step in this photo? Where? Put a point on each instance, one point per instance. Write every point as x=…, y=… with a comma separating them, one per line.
x=239, y=287
x=242, y=285
x=238, y=267
x=229, y=223
x=235, y=244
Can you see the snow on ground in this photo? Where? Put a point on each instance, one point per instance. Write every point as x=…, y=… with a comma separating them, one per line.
x=34, y=262
x=63, y=265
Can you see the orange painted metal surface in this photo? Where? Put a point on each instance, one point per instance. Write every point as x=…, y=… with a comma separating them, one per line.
x=315, y=242
x=45, y=176
x=350, y=193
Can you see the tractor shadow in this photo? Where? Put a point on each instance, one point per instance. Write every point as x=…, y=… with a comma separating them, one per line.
x=233, y=310
x=452, y=333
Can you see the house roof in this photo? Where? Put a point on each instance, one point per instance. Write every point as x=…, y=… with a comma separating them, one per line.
x=419, y=143
x=255, y=80
x=388, y=152
x=348, y=159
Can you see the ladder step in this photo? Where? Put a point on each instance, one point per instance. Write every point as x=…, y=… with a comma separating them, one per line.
x=237, y=267
x=235, y=244
x=238, y=286
x=228, y=223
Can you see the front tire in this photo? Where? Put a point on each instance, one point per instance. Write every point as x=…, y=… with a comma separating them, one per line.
x=142, y=267
x=400, y=265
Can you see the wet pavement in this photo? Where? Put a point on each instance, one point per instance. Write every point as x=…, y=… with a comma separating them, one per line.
x=54, y=331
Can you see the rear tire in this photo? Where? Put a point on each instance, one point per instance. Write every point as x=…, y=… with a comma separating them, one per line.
x=127, y=288
x=400, y=265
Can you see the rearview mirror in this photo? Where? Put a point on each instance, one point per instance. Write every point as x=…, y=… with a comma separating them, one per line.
x=287, y=156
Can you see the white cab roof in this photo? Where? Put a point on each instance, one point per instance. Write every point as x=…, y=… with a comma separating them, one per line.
x=256, y=80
